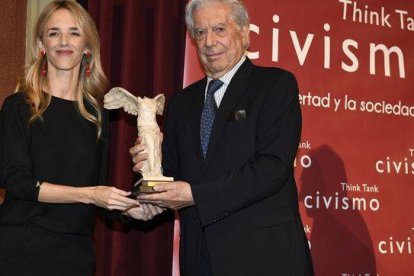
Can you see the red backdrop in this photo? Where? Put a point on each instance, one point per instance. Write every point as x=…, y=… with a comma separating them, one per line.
x=354, y=61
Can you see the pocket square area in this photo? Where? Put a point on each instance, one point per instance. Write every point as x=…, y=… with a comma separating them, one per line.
x=237, y=115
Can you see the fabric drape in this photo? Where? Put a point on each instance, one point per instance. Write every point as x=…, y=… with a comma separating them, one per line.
x=142, y=50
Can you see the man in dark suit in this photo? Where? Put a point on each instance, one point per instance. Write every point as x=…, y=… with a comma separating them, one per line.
x=229, y=141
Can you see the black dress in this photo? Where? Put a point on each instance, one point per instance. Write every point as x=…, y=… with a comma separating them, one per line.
x=62, y=148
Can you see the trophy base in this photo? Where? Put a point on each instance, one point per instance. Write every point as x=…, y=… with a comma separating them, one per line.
x=148, y=183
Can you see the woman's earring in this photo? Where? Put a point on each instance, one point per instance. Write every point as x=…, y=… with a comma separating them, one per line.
x=44, y=63
x=87, y=67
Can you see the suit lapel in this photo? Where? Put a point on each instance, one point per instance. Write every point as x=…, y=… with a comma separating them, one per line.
x=237, y=87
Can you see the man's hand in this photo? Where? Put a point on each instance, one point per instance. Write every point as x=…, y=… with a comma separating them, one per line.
x=174, y=195
x=144, y=211
x=138, y=155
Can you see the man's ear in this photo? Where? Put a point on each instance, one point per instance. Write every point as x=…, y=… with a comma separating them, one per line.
x=160, y=100
x=245, y=33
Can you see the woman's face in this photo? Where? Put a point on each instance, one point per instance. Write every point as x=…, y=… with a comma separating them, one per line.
x=63, y=42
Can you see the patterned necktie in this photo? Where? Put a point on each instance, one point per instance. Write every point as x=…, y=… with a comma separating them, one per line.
x=208, y=115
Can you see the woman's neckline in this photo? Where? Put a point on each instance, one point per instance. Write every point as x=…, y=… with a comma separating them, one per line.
x=59, y=98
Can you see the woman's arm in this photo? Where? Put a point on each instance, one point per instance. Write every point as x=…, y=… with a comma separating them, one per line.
x=106, y=197
x=16, y=166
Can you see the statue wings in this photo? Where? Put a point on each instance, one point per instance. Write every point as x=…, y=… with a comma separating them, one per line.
x=118, y=97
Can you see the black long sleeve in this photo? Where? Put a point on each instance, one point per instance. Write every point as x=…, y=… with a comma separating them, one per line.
x=62, y=148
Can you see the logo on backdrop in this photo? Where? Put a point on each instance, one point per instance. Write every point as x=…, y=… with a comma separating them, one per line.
x=363, y=199
x=351, y=11
x=303, y=160
x=397, y=245
x=396, y=166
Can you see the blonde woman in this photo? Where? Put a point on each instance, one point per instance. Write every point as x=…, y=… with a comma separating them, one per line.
x=53, y=151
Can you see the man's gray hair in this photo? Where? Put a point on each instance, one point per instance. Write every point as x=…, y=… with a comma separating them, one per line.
x=239, y=12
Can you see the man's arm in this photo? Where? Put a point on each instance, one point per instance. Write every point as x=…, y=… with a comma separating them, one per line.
x=263, y=175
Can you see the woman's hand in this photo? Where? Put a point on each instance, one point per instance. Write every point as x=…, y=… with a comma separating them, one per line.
x=111, y=198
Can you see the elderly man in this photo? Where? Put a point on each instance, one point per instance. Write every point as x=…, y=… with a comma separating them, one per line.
x=230, y=140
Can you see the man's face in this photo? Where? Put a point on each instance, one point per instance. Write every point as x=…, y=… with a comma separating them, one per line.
x=220, y=42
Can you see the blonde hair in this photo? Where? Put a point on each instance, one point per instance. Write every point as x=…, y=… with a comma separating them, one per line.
x=90, y=88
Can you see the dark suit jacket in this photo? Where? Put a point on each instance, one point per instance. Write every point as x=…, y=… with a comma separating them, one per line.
x=244, y=192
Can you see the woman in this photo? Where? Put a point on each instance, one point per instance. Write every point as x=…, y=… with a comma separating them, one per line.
x=53, y=151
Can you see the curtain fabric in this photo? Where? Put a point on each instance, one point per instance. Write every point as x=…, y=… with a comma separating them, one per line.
x=142, y=50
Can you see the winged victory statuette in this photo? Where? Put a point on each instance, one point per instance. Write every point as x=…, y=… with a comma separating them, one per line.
x=145, y=109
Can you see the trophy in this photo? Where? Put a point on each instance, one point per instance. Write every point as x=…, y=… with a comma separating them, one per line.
x=145, y=109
